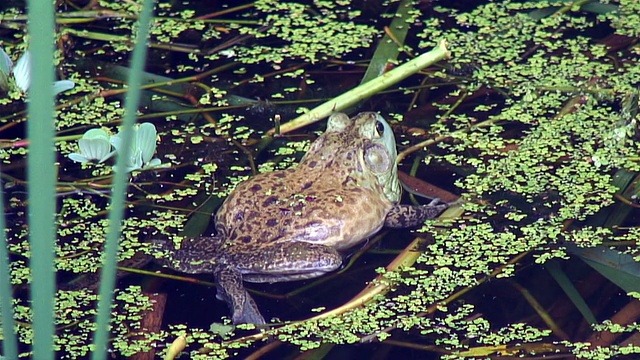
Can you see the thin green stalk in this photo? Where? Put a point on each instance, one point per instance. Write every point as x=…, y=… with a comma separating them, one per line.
x=41, y=174
x=116, y=213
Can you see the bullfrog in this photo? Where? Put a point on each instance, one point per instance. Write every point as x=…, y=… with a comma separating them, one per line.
x=294, y=224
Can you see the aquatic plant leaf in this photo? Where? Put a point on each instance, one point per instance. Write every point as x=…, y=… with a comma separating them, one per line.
x=5, y=62
x=116, y=141
x=599, y=8
x=62, y=85
x=154, y=163
x=621, y=269
x=570, y=290
x=592, y=7
x=142, y=148
x=22, y=72
x=134, y=161
x=4, y=81
x=96, y=134
x=77, y=157
x=388, y=50
x=148, y=98
x=5, y=68
x=543, y=13
x=146, y=141
x=96, y=149
x=94, y=146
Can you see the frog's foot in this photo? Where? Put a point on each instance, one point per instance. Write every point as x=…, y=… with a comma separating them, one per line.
x=403, y=216
x=230, y=289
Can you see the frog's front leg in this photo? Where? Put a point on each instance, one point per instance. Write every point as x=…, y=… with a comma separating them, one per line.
x=231, y=290
x=195, y=255
x=403, y=216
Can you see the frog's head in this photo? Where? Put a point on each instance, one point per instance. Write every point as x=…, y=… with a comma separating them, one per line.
x=361, y=148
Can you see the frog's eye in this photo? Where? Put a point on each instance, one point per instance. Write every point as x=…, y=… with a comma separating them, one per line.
x=380, y=128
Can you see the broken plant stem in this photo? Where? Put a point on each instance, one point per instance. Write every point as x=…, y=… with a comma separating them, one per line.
x=367, y=89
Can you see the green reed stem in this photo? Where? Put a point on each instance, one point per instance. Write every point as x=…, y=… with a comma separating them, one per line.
x=116, y=213
x=41, y=174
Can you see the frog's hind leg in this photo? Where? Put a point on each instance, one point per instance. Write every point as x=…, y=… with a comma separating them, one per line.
x=287, y=261
x=403, y=216
x=231, y=290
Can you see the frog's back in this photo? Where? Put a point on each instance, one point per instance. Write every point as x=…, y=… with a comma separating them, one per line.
x=301, y=205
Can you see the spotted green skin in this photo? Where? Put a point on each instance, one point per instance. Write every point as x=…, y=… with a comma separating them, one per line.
x=293, y=224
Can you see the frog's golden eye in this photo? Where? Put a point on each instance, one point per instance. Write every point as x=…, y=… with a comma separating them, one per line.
x=380, y=128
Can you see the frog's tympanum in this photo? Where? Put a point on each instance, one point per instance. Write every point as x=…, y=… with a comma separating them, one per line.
x=293, y=224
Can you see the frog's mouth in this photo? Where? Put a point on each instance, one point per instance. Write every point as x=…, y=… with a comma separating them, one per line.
x=391, y=185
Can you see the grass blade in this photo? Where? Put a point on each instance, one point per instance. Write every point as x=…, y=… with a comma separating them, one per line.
x=116, y=213
x=570, y=290
x=389, y=46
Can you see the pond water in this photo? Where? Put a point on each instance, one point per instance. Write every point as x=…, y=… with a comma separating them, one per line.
x=532, y=121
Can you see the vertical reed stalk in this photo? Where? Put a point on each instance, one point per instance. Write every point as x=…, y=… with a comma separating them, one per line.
x=41, y=174
x=116, y=212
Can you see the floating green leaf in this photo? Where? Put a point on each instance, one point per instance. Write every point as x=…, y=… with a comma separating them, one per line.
x=143, y=147
x=94, y=146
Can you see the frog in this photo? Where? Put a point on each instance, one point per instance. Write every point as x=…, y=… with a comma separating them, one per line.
x=297, y=223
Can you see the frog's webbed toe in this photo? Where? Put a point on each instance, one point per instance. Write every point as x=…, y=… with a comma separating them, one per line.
x=403, y=216
x=231, y=290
